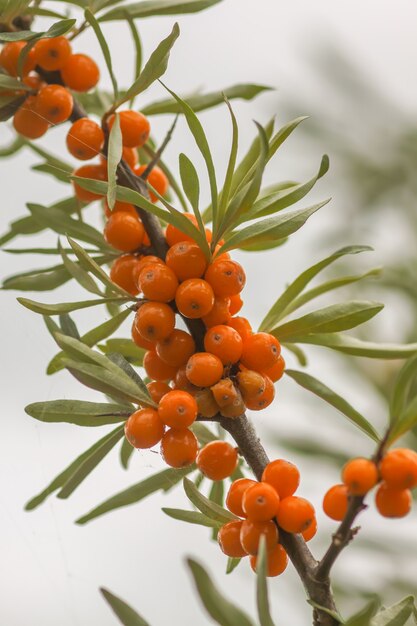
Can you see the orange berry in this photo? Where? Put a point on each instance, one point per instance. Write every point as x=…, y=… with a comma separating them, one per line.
x=277, y=561
x=181, y=381
x=176, y=349
x=28, y=123
x=229, y=539
x=54, y=103
x=187, y=260
x=226, y=277
x=399, y=468
x=174, y=235
x=80, y=72
x=261, y=401
x=144, y=428
x=260, y=351
x=94, y=171
x=311, y=531
x=276, y=371
x=130, y=156
x=85, y=139
x=251, y=533
x=236, y=304
x=251, y=384
x=155, y=321
x=295, y=514
x=224, y=392
x=204, y=369
x=158, y=282
x=217, y=460
x=9, y=58
x=207, y=405
x=224, y=342
x=157, y=390
x=119, y=207
x=235, y=495
x=179, y=447
x=157, y=369
x=134, y=126
x=260, y=502
x=177, y=409
x=124, y=232
x=139, y=340
x=33, y=81
x=219, y=314
x=335, y=502
x=194, y=298
x=283, y=476
x=393, y=502
x=52, y=54
x=157, y=179
x=145, y=261
x=359, y=476
x=242, y=326
x=235, y=409
x=122, y=273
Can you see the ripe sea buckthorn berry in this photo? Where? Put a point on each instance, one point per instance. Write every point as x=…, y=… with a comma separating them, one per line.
x=260, y=502
x=242, y=326
x=251, y=533
x=393, y=502
x=311, y=531
x=276, y=371
x=124, y=232
x=134, y=126
x=181, y=381
x=235, y=495
x=122, y=273
x=360, y=476
x=224, y=392
x=177, y=409
x=276, y=561
x=251, y=384
x=54, y=103
x=52, y=54
x=158, y=282
x=144, y=428
x=204, y=369
x=130, y=156
x=156, y=179
x=155, y=320
x=139, y=340
x=219, y=314
x=262, y=400
x=92, y=170
x=236, y=304
x=225, y=342
x=399, y=468
x=283, y=476
x=176, y=349
x=85, y=139
x=207, y=405
x=157, y=389
x=235, y=409
x=174, y=235
x=187, y=260
x=9, y=58
x=229, y=539
x=157, y=369
x=28, y=123
x=80, y=72
x=295, y=514
x=260, y=351
x=194, y=298
x=217, y=460
x=335, y=502
x=179, y=447
x=120, y=207
x=226, y=277
x=33, y=81
x=145, y=261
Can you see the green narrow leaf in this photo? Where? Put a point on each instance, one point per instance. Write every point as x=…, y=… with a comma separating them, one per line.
x=125, y=613
x=192, y=517
x=76, y=271
x=125, y=366
x=65, y=307
x=150, y=8
x=264, y=614
x=68, y=326
x=406, y=377
x=58, y=221
x=203, y=504
x=114, y=157
x=138, y=48
x=78, y=412
x=357, y=347
x=126, y=347
x=228, y=179
x=232, y=564
x=126, y=451
x=396, y=615
x=190, y=183
x=203, y=434
x=104, y=48
x=298, y=353
x=363, y=617
x=406, y=421
x=45, y=279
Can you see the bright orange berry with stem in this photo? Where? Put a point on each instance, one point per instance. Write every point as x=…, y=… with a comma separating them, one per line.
x=311, y=531
x=181, y=381
x=122, y=273
x=399, y=468
x=139, y=340
x=156, y=368
x=295, y=514
x=124, y=232
x=187, y=260
x=236, y=304
x=9, y=58
x=52, y=54
x=134, y=126
x=226, y=277
x=260, y=502
x=276, y=561
x=225, y=342
x=178, y=409
x=234, y=498
x=219, y=314
x=251, y=533
x=179, y=447
x=204, y=369
x=260, y=351
x=206, y=403
x=177, y=348
x=80, y=72
x=157, y=179
x=28, y=123
x=276, y=371
x=229, y=539
x=335, y=502
x=158, y=282
x=90, y=170
x=283, y=476
x=224, y=392
x=194, y=298
x=155, y=321
x=144, y=428
x=217, y=460
x=393, y=502
x=262, y=400
x=85, y=139
x=157, y=390
x=360, y=476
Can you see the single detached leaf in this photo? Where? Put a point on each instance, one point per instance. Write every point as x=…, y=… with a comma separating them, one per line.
x=150, y=8
x=78, y=412
x=192, y=517
x=104, y=48
x=396, y=615
x=265, y=618
x=126, y=615
x=206, y=506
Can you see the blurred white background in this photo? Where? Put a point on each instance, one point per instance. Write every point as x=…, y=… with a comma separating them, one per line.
x=50, y=568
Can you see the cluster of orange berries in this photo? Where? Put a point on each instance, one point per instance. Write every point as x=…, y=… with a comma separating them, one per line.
x=395, y=474
x=264, y=507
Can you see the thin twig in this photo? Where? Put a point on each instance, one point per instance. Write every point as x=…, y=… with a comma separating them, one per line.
x=158, y=154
